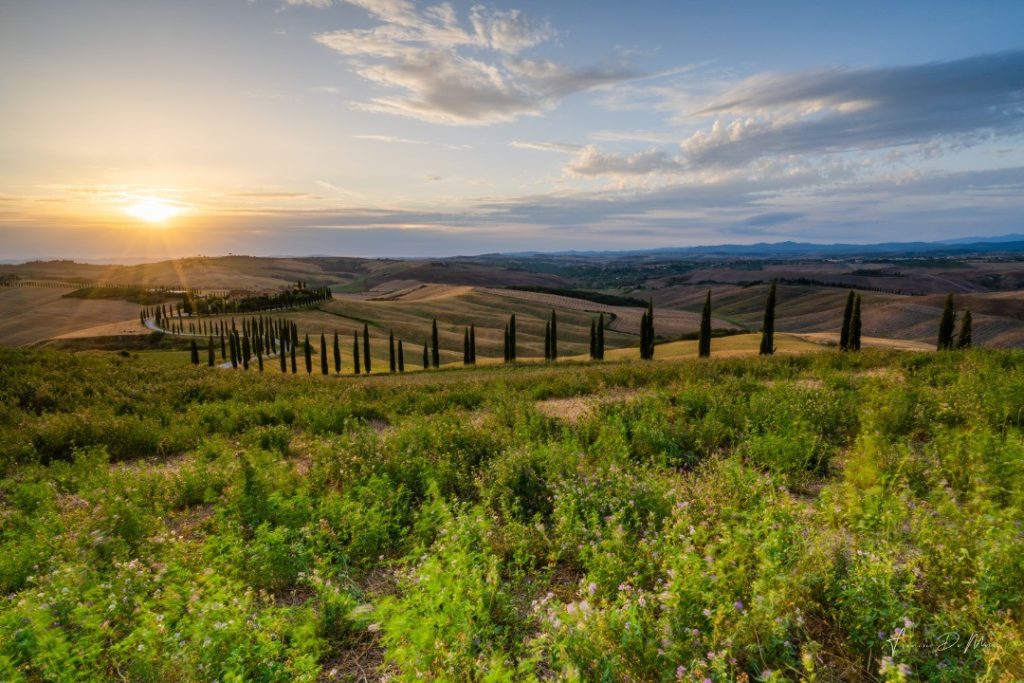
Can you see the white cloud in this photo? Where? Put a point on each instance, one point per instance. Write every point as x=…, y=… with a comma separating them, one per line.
x=592, y=162
x=561, y=147
x=444, y=72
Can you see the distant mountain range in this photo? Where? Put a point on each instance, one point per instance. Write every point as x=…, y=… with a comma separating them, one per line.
x=961, y=246
x=952, y=247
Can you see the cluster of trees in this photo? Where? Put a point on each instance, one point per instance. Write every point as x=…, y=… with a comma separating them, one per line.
x=195, y=304
x=948, y=339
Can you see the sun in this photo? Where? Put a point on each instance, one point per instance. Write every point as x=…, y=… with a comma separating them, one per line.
x=153, y=209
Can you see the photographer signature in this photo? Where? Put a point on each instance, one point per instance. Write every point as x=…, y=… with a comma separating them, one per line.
x=946, y=642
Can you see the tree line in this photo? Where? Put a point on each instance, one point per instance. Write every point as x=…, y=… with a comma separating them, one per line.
x=262, y=336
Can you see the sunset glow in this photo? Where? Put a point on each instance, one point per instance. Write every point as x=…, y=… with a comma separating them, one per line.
x=153, y=210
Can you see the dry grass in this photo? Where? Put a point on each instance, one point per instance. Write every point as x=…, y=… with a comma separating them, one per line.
x=30, y=315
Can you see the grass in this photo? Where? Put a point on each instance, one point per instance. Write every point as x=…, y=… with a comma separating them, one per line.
x=810, y=516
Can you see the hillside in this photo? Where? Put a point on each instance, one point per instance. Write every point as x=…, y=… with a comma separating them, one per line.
x=803, y=517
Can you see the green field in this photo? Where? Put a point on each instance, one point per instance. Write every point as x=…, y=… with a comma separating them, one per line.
x=810, y=517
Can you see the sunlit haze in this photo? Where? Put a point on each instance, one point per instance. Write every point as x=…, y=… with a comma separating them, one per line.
x=401, y=128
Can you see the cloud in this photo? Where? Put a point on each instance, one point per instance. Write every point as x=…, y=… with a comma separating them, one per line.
x=444, y=71
x=561, y=147
x=390, y=138
x=592, y=162
x=833, y=111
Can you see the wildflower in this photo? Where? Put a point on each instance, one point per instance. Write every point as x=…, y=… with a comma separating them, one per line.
x=680, y=672
x=707, y=612
x=591, y=587
x=738, y=606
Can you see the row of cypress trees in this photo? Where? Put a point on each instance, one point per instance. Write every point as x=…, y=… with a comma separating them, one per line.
x=263, y=331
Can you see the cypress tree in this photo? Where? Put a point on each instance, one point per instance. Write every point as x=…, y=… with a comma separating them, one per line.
x=211, y=357
x=472, y=344
x=593, y=339
x=259, y=358
x=366, y=348
x=246, y=351
x=554, y=336
x=324, y=370
x=283, y=357
x=426, y=360
x=401, y=357
x=946, y=325
x=307, y=351
x=768, y=326
x=392, y=361
x=234, y=354
x=600, y=337
x=223, y=353
x=337, y=354
x=965, y=340
x=547, y=340
x=435, y=352
x=505, y=347
x=647, y=332
x=195, y=353
x=465, y=346
x=295, y=335
x=355, y=353
x=844, y=332
x=512, y=338
x=855, y=325
x=295, y=367
x=704, y=341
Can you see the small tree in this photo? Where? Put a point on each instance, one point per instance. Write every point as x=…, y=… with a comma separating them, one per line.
x=355, y=353
x=472, y=344
x=234, y=352
x=308, y=352
x=554, y=335
x=513, y=353
x=947, y=324
x=600, y=337
x=283, y=357
x=844, y=332
x=505, y=348
x=435, y=351
x=337, y=354
x=401, y=357
x=195, y=353
x=366, y=348
x=704, y=341
x=855, y=325
x=223, y=354
x=965, y=340
x=324, y=370
x=465, y=346
x=392, y=361
x=295, y=367
x=426, y=358
x=547, y=340
x=647, y=332
x=211, y=357
x=768, y=326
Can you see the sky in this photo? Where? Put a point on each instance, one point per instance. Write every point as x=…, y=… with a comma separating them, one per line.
x=149, y=128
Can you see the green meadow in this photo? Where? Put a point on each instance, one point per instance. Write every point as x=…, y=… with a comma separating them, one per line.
x=813, y=516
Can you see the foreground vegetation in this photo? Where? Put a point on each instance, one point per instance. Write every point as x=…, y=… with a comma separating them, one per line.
x=815, y=517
